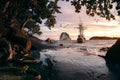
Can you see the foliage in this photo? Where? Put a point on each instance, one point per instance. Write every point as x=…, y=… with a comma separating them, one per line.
x=32, y=28
x=101, y=8
x=18, y=13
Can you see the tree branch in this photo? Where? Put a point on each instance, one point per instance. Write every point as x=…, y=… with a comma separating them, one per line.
x=6, y=6
x=24, y=24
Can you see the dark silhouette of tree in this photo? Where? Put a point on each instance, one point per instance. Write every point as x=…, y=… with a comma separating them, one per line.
x=22, y=14
x=101, y=8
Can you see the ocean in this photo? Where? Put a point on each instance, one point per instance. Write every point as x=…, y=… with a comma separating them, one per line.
x=74, y=61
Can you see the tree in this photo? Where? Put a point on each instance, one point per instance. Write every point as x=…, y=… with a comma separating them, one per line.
x=20, y=18
x=101, y=8
x=23, y=14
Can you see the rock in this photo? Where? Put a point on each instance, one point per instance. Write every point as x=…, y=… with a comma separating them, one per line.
x=36, y=43
x=61, y=45
x=103, y=38
x=112, y=59
x=48, y=40
x=44, y=66
x=113, y=55
x=64, y=36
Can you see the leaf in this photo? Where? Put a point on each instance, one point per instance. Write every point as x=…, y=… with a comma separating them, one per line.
x=110, y=6
x=92, y=14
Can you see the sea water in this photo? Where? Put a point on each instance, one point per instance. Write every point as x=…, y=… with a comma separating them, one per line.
x=80, y=61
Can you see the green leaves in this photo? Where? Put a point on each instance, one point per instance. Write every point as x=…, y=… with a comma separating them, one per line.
x=32, y=27
x=50, y=22
x=101, y=8
x=32, y=10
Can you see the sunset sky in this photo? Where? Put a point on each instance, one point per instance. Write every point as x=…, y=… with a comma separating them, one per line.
x=68, y=20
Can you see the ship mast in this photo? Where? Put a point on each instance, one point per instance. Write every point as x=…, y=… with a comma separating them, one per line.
x=81, y=38
x=81, y=28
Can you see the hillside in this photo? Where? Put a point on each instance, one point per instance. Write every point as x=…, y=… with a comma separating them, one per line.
x=103, y=38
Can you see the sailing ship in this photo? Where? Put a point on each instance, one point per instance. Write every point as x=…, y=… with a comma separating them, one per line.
x=81, y=38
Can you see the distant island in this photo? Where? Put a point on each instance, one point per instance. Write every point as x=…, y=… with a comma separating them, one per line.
x=103, y=38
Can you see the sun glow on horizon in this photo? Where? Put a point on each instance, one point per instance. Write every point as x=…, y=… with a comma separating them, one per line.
x=106, y=23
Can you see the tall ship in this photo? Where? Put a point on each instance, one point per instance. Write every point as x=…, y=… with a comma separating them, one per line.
x=81, y=38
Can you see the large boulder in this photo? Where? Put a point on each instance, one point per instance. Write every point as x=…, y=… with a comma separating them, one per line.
x=38, y=44
x=113, y=54
x=48, y=40
x=112, y=59
x=64, y=36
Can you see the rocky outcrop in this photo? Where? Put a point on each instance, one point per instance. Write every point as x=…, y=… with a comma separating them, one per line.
x=64, y=36
x=48, y=40
x=103, y=38
x=38, y=44
x=112, y=59
x=113, y=55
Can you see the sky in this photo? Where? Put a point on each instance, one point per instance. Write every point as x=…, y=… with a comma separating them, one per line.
x=68, y=21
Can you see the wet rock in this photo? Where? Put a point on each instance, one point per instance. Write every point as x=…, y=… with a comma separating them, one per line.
x=113, y=55
x=112, y=59
x=44, y=66
x=64, y=36
x=38, y=44
x=48, y=40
